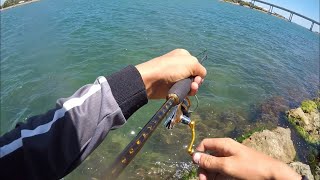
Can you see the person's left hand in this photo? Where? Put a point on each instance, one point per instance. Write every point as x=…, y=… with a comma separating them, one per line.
x=160, y=73
x=232, y=160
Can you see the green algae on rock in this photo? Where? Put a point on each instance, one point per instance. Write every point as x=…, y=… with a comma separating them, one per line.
x=317, y=101
x=189, y=175
x=245, y=136
x=308, y=106
x=306, y=121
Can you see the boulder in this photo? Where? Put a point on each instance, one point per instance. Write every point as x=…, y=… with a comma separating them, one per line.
x=306, y=123
x=302, y=169
x=299, y=114
x=276, y=143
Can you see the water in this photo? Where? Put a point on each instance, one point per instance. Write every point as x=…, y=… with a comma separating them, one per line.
x=256, y=62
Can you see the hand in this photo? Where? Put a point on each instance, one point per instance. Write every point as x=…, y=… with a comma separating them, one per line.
x=238, y=161
x=160, y=73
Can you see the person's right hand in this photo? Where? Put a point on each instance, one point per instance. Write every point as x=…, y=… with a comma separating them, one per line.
x=160, y=73
x=232, y=159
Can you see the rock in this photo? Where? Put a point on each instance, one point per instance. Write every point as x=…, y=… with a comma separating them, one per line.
x=302, y=169
x=306, y=123
x=276, y=143
x=317, y=172
x=299, y=115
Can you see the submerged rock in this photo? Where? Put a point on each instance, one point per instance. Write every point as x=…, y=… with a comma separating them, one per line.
x=317, y=172
x=306, y=120
x=271, y=109
x=220, y=124
x=276, y=143
x=302, y=169
x=166, y=170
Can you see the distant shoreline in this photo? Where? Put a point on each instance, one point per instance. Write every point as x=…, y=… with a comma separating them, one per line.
x=258, y=8
x=247, y=4
x=21, y=4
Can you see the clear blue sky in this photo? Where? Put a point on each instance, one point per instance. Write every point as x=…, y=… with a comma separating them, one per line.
x=309, y=8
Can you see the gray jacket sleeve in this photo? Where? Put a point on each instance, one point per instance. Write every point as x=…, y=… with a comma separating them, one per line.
x=51, y=145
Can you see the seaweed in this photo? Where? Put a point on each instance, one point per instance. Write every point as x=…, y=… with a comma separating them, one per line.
x=317, y=101
x=308, y=106
x=302, y=132
x=248, y=134
x=313, y=159
x=191, y=174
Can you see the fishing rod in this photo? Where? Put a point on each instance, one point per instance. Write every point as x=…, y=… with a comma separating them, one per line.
x=178, y=106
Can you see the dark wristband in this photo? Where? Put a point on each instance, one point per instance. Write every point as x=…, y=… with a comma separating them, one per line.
x=128, y=90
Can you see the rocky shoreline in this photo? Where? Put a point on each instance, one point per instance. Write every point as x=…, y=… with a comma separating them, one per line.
x=248, y=4
x=19, y=4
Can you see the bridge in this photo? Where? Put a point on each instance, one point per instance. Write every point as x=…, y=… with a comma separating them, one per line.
x=282, y=8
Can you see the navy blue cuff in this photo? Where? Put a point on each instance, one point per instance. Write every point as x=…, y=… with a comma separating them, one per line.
x=128, y=90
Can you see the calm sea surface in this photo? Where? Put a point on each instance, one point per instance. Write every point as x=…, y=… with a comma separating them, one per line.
x=258, y=67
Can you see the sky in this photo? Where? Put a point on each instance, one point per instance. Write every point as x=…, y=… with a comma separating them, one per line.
x=308, y=8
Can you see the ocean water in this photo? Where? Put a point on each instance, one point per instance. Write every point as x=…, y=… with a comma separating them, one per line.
x=258, y=67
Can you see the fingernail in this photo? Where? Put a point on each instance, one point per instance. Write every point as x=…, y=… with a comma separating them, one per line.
x=196, y=157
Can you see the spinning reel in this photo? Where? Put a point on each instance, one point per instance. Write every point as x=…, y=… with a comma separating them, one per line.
x=181, y=114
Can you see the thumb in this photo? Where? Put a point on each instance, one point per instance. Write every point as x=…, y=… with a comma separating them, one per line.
x=209, y=162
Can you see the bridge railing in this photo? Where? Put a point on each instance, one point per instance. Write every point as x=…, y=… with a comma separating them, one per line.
x=285, y=9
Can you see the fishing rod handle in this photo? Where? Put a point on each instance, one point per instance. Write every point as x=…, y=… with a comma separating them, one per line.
x=132, y=149
x=180, y=90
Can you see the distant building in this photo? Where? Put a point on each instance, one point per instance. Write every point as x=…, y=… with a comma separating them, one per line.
x=21, y=2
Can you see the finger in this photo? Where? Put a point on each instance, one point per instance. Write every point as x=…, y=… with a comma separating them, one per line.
x=193, y=92
x=202, y=174
x=194, y=89
x=223, y=177
x=197, y=80
x=212, y=175
x=198, y=70
x=178, y=52
x=225, y=146
x=209, y=163
x=194, y=86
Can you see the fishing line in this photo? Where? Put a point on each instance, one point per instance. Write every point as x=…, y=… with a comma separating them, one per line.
x=204, y=56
